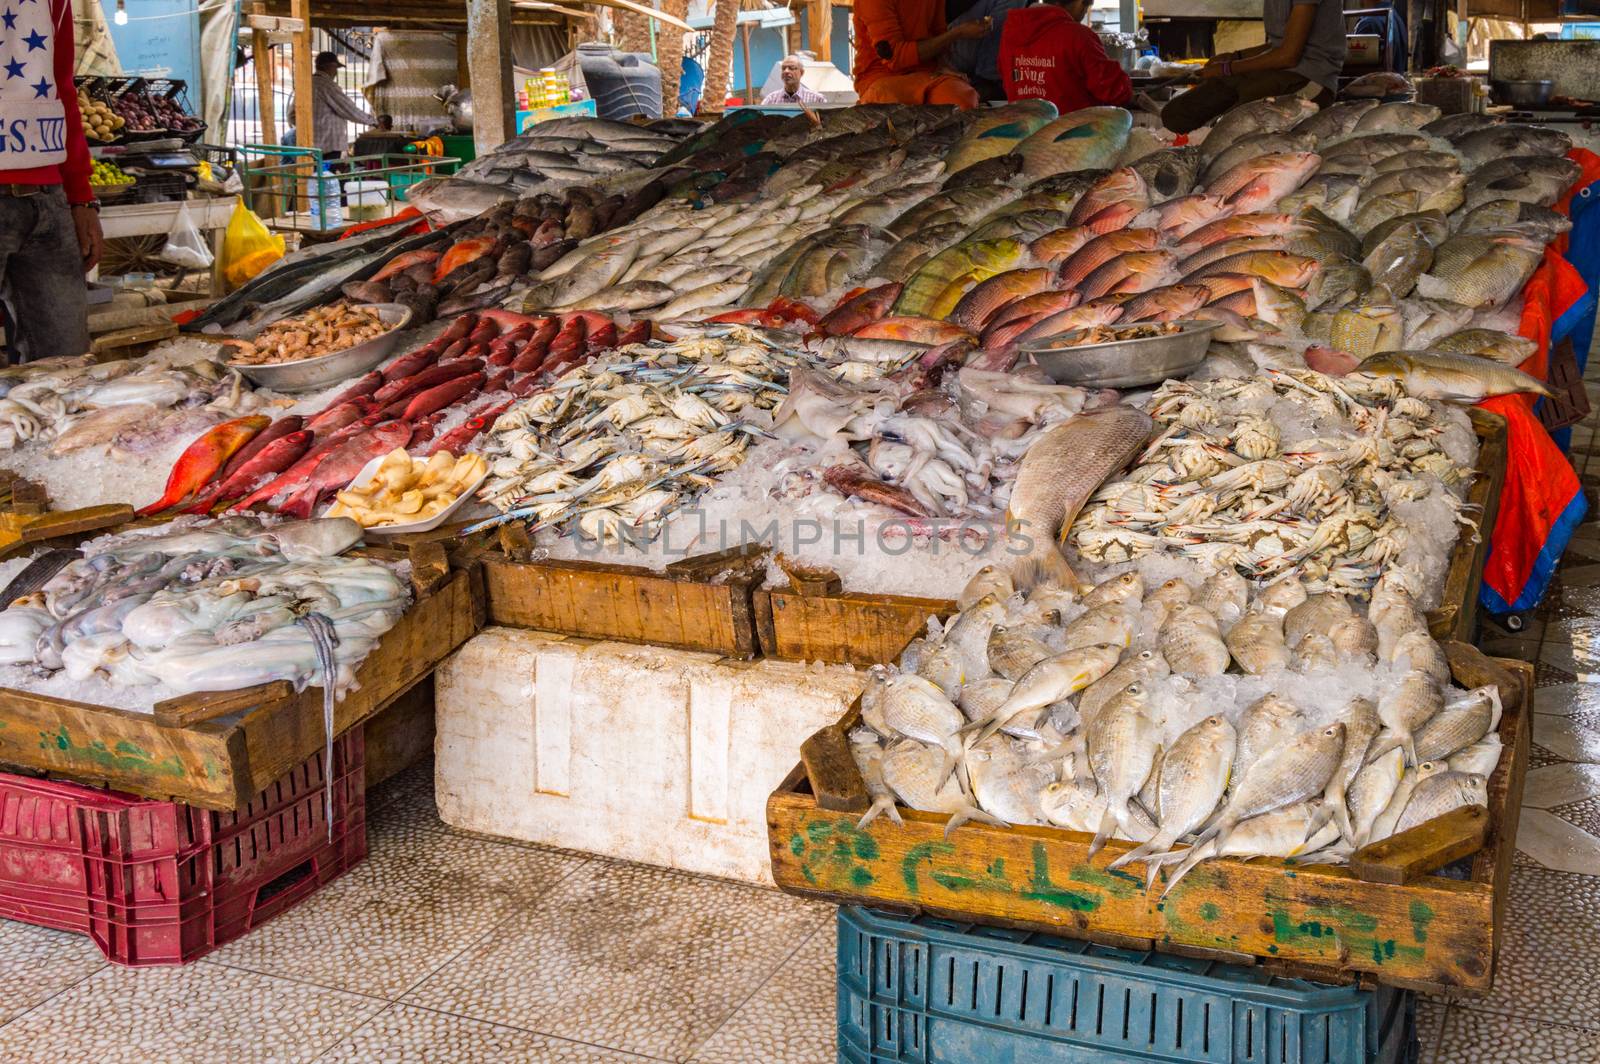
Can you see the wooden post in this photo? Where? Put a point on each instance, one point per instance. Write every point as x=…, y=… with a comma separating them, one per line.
x=819, y=23
x=303, y=72
x=749, y=78
x=266, y=205
x=463, y=66
x=489, y=59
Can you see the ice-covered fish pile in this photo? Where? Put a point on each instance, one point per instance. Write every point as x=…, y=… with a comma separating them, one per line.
x=931, y=438
x=1219, y=718
x=549, y=158
x=204, y=606
x=1333, y=480
x=612, y=448
x=127, y=407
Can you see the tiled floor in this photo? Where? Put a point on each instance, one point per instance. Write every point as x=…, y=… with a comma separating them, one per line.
x=448, y=947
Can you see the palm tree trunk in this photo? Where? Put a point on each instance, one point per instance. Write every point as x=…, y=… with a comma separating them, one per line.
x=719, y=57
x=669, y=49
x=633, y=31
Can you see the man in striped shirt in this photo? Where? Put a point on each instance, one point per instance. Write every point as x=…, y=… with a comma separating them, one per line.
x=792, y=69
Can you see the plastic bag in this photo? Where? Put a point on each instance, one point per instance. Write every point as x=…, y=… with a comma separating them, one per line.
x=185, y=246
x=248, y=247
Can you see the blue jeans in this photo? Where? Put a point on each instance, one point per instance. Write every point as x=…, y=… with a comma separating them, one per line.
x=41, y=276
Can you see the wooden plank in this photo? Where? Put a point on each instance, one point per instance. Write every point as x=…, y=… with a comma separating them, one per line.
x=1458, y=609
x=304, y=70
x=430, y=568
x=704, y=604
x=1425, y=848
x=1434, y=930
x=846, y=627
x=400, y=735
x=832, y=771
x=128, y=751
x=1428, y=932
x=190, y=709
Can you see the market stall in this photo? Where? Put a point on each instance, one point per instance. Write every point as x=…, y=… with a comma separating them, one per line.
x=984, y=462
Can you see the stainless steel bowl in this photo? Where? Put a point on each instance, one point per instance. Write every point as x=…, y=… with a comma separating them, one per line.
x=1524, y=94
x=1123, y=363
x=309, y=374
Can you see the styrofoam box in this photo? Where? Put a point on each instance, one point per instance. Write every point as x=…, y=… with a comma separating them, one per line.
x=636, y=752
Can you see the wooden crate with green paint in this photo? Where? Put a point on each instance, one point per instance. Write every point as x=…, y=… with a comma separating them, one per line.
x=217, y=751
x=1388, y=918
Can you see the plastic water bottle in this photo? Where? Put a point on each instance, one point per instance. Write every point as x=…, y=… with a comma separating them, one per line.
x=326, y=211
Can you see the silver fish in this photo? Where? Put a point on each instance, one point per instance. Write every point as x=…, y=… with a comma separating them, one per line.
x=1192, y=644
x=915, y=773
x=868, y=754
x=1194, y=775
x=1361, y=723
x=1371, y=792
x=1439, y=794
x=1122, y=742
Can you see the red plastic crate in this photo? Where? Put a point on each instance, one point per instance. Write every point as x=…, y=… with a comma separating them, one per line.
x=163, y=882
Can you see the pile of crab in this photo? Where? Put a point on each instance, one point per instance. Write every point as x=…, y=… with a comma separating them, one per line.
x=613, y=447
x=1333, y=479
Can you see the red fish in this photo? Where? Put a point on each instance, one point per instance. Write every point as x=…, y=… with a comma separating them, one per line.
x=507, y=319
x=458, y=439
x=460, y=254
x=458, y=328
x=637, y=333
x=1001, y=337
x=339, y=466
x=426, y=379
x=486, y=329
x=601, y=338
x=498, y=380
x=1031, y=306
x=337, y=417
x=569, y=340
x=1327, y=360
x=406, y=365
x=277, y=456
x=848, y=481
x=503, y=357
x=405, y=262
x=525, y=385
x=442, y=395
x=511, y=338
x=200, y=461
x=792, y=310
x=456, y=349
x=852, y=313
x=359, y=390
x=912, y=329
x=424, y=429
x=747, y=316
x=275, y=431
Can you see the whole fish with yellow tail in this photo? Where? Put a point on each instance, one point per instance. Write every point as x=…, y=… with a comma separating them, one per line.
x=201, y=460
x=914, y=330
x=1481, y=270
x=1456, y=378
x=1056, y=477
x=1280, y=267
x=935, y=289
x=1082, y=140
x=1365, y=331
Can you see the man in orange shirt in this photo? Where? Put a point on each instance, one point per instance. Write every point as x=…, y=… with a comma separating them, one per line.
x=898, y=44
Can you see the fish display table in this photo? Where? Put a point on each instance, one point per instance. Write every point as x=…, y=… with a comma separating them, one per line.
x=1391, y=916
x=218, y=749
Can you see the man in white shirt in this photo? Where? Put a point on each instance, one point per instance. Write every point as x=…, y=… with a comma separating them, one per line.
x=792, y=69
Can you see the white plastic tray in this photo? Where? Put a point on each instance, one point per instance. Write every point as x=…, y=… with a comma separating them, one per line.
x=370, y=470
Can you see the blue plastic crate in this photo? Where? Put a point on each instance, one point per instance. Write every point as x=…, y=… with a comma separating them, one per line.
x=935, y=992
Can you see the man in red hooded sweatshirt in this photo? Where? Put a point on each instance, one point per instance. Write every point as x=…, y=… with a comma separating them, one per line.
x=49, y=219
x=1047, y=53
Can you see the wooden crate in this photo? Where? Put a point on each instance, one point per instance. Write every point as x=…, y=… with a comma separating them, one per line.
x=701, y=603
x=1458, y=603
x=218, y=750
x=816, y=620
x=1386, y=918
x=401, y=734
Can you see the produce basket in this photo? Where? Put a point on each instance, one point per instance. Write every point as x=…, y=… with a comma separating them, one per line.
x=1396, y=915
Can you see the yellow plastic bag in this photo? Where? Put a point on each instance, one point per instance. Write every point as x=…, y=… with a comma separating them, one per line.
x=248, y=247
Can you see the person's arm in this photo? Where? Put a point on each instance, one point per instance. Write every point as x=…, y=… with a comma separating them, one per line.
x=1103, y=77
x=882, y=20
x=346, y=108
x=75, y=171
x=1296, y=32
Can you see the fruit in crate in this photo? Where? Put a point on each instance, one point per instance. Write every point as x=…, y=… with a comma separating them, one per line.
x=106, y=173
x=100, y=122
